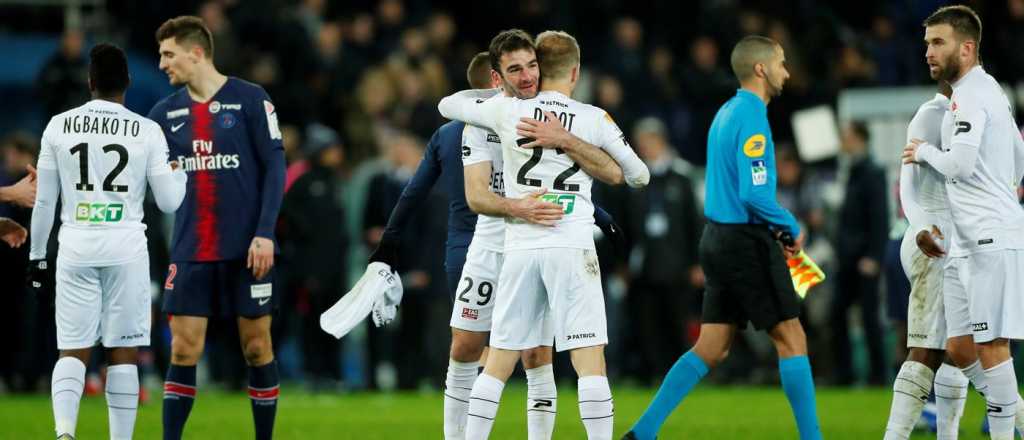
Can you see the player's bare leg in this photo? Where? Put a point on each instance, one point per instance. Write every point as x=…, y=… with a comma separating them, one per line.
x=122, y=391
x=597, y=410
x=66, y=390
x=797, y=380
x=258, y=349
x=486, y=393
x=188, y=337
x=541, y=394
x=463, y=364
x=911, y=388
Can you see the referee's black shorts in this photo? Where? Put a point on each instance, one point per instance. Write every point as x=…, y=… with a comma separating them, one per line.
x=746, y=277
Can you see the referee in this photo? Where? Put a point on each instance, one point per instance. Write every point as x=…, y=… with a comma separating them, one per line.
x=746, y=274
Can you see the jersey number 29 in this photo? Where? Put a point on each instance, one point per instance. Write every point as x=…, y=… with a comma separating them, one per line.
x=82, y=150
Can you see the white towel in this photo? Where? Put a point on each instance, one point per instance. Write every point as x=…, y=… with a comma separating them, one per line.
x=378, y=291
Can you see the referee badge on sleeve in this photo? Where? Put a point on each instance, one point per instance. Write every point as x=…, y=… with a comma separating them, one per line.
x=754, y=146
x=759, y=172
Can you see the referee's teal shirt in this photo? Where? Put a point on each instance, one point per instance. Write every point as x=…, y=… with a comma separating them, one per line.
x=741, y=167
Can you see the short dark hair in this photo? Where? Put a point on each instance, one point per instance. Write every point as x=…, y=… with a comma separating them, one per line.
x=108, y=69
x=750, y=51
x=187, y=30
x=479, y=71
x=508, y=41
x=861, y=130
x=961, y=18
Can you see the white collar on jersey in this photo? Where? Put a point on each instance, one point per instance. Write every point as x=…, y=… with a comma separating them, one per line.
x=974, y=71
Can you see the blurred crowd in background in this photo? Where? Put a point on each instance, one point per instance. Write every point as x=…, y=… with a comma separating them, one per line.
x=356, y=85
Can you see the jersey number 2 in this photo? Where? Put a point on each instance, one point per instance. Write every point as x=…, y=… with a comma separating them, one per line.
x=534, y=159
x=82, y=150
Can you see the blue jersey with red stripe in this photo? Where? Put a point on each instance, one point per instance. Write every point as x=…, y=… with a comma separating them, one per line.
x=230, y=146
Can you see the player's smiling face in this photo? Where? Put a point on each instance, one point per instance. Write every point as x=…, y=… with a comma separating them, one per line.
x=943, y=54
x=176, y=61
x=520, y=73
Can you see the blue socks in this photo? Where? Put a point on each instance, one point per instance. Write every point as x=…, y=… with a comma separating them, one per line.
x=686, y=372
x=179, y=394
x=798, y=384
x=263, y=391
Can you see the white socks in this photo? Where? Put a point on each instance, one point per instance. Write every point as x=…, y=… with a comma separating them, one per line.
x=909, y=392
x=483, y=406
x=541, y=402
x=1002, y=400
x=66, y=392
x=122, y=399
x=596, y=408
x=950, y=396
x=457, y=386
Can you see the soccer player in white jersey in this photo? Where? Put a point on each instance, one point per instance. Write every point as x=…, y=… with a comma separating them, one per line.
x=98, y=158
x=550, y=274
x=923, y=197
x=485, y=190
x=980, y=162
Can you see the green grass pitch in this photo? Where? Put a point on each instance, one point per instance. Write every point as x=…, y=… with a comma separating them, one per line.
x=716, y=413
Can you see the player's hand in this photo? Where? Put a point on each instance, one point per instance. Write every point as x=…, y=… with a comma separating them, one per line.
x=534, y=210
x=23, y=193
x=174, y=165
x=261, y=257
x=12, y=233
x=548, y=133
x=927, y=243
x=910, y=151
x=696, y=276
x=39, y=280
x=386, y=252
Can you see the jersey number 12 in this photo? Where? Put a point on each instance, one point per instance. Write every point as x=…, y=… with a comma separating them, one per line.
x=82, y=150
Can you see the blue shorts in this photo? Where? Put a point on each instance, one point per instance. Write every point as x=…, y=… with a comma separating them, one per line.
x=218, y=288
x=897, y=286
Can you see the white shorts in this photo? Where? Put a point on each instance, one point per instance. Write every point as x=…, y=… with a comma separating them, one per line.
x=478, y=285
x=992, y=304
x=546, y=294
x=108, y=304
x=926, y=319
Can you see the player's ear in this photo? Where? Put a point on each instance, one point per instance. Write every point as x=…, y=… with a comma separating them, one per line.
x=576, y=73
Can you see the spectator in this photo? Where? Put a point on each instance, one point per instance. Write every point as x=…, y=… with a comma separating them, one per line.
x=422, y=318
x=314, y=220
x=664, y=222
x=62, y=83
x=862, y=235
x=707, y=85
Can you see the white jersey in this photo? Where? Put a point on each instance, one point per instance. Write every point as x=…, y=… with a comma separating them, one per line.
x=483, y=145
x=922, y=188
x=102, y=154
x=983, y=200
x=530, y=169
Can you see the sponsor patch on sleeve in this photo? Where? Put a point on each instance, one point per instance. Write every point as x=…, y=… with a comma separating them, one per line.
x=754, y=146
x=275, y=132
x=759, y=172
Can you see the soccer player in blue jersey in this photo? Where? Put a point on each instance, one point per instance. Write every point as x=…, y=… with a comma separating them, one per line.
x=224, y=133
x=746, y=274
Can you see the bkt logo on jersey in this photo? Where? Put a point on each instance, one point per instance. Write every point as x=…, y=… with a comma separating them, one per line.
x=99, y=212
x=204, y=159
x=568, y=201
